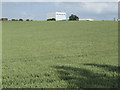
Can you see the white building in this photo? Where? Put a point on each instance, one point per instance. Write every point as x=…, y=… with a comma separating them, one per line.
x=86, y=20
x=59, y=16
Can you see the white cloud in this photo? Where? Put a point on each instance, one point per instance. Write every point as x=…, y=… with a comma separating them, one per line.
x=99, y=8
x=0, y=10
x=26, y=15
x=60, y=0
x=96, y=8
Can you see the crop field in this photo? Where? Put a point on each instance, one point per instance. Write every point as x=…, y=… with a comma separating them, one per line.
x=61, y=54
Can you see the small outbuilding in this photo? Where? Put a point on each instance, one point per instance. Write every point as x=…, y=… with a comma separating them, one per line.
x=86, y=20
x=4, y=19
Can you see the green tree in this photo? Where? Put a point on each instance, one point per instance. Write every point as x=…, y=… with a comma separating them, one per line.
x=51, y=19
x=20, y=19
x=73, y=17
x=27, y=20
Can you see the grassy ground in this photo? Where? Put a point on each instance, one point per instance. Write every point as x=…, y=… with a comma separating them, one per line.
x=60, y=54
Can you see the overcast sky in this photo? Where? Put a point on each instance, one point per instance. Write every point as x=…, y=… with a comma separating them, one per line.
x=39, y=10
x=60, y=0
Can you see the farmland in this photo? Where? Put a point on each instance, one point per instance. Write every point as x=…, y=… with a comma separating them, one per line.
x=41, y=54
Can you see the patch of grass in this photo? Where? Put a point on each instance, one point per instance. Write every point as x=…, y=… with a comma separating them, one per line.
x=60, y=54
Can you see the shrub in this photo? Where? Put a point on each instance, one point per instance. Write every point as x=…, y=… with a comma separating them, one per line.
x=20, y=19
x=14, y=19
x=51, y=19
x=27, y=20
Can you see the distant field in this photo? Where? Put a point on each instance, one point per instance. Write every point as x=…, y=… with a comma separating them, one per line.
x=60, y=54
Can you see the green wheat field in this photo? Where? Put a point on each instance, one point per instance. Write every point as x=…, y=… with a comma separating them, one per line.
x=60, y=54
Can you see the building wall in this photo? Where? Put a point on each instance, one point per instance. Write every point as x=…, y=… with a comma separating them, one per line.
x=57, y=15
x=4, y=19
x=60, y=16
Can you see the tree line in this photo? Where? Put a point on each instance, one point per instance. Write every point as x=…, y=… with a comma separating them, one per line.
x=20, y=20
x=72, y=17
